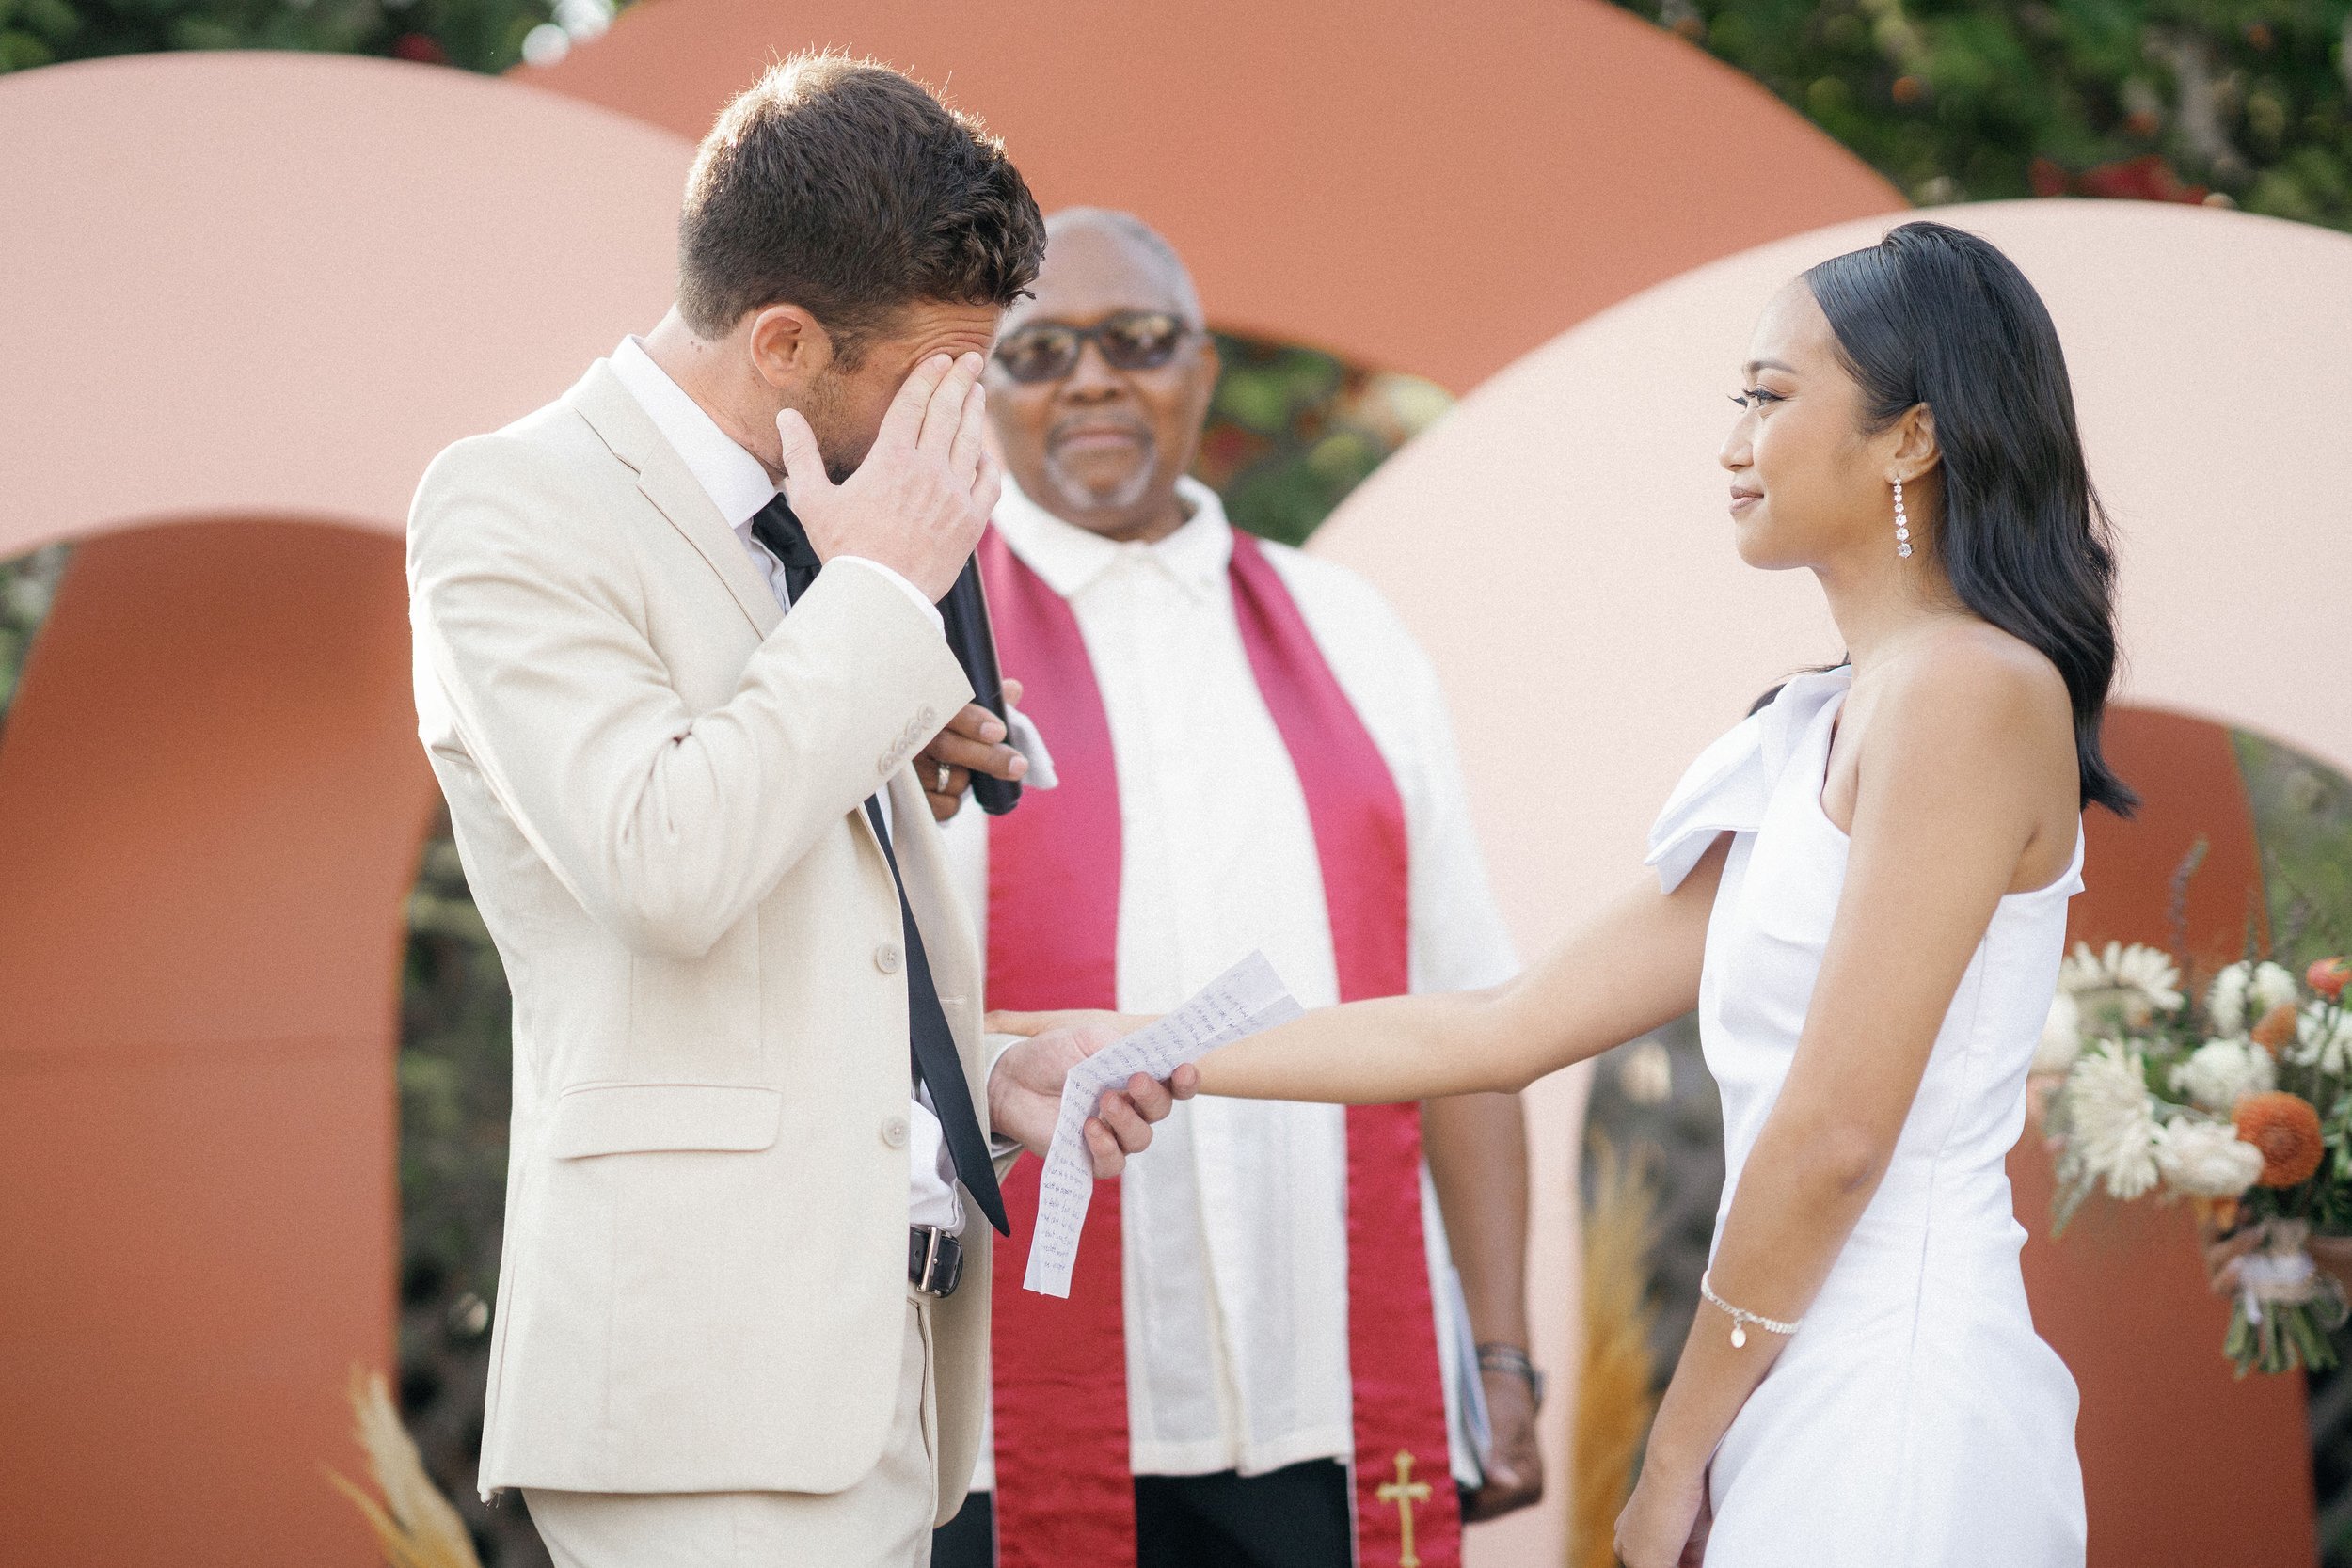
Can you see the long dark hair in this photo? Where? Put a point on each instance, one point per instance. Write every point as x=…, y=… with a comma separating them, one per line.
x=1930, y=315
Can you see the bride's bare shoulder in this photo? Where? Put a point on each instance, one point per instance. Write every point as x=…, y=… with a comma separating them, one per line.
x=1971, y=690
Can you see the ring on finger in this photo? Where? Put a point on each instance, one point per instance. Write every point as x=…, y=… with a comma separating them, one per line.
x=946, y=772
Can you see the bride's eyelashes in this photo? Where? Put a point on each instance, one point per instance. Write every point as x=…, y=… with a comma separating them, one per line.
x=1757, y=397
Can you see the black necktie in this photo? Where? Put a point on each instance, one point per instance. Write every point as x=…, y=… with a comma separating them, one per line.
x=932, y=1043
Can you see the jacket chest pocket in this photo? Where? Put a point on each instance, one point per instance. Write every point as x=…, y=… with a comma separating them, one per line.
x=640, y=1118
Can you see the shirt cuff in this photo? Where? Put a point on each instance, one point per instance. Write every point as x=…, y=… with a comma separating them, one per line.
x=996, y=1046
x=904, y=586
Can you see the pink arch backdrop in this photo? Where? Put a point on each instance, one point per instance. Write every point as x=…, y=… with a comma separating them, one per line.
x=1598, y=610
x=253, y=295
x=249, y=297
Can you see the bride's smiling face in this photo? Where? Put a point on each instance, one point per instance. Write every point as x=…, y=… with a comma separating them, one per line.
x=1808, y=482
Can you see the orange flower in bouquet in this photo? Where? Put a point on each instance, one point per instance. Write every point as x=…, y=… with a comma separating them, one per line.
x=2234, y=1094
x=2285, y=1126
x=2276, y=1031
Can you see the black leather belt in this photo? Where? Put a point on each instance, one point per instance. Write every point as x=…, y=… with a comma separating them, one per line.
x=935, y=1260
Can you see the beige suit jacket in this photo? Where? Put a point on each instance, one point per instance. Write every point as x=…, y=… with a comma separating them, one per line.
x=655, y=778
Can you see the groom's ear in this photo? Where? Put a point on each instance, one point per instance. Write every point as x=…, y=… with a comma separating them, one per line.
x=788, y=347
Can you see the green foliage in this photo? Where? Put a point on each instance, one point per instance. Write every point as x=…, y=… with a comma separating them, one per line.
x=27, y=586
x=456, y=1052
x=2302, y=811
x=478, y=35
x=1292, y=431
x=2247, y=101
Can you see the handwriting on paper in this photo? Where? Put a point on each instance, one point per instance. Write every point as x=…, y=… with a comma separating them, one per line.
x=1244, y=1000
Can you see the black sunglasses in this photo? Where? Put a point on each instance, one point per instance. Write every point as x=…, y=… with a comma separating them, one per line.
x=1130, y=341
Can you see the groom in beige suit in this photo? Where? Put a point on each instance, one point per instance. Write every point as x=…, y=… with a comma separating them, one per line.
x=676, y=648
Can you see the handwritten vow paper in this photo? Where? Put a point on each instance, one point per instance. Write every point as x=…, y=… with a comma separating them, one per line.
x=1244, y=1000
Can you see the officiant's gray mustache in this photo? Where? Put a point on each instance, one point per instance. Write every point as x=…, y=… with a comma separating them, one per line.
x=1128, y=490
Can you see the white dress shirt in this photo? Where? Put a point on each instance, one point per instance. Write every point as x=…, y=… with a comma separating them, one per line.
x=1236, y=1308
x=738, y=484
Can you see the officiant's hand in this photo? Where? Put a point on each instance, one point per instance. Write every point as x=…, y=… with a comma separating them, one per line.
x=1025, y=1094
x=974, y=741
x=1515, y=1470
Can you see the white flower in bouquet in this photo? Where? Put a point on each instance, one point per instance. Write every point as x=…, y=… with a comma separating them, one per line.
x=2207, y=1158
x=2321, y=1043
x=2061, y=1036
x=2225, y=999
x=2274, y=986
x=2141, y=980
x=2219, y=1073
x=2111, y=1119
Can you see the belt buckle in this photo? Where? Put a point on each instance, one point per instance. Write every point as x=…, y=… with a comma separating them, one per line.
x=935, y=1260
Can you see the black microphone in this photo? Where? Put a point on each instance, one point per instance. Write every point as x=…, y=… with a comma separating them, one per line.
x=964, y=610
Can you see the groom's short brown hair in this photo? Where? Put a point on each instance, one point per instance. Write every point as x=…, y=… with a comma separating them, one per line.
x=843, y=187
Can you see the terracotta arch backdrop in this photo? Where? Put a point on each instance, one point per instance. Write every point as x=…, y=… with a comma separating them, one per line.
x=248, y=297
x=1427, y=188
x=1586, y=608
x=254, y=294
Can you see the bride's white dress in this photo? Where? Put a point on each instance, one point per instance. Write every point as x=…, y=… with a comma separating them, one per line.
x=1914, y=1419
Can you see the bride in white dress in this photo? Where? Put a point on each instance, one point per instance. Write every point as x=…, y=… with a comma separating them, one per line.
x=1862, y=889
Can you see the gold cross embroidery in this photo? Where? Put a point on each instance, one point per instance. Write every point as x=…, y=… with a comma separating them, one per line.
x=1404, y=1492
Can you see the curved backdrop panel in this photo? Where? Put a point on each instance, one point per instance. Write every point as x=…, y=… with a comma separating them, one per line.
x=278, y=283
x=250, y=297
x=1435, y=189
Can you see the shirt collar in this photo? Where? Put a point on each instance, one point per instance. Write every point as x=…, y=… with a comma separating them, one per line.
x=733, y=480
x=1070, y=559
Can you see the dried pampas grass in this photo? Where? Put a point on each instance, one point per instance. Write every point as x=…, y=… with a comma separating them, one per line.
x=415, y=1526
x=1613, y=1398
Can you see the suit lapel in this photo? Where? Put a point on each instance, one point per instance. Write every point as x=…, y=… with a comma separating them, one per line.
x=662, y=475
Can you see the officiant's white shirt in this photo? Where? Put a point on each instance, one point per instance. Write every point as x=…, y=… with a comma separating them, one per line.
x=1236, y=1306
x=738, y=484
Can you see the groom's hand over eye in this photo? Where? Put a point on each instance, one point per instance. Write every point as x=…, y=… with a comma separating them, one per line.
x=918, y=502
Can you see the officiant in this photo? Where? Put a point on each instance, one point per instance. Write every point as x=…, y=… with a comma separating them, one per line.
x=1269, y=1357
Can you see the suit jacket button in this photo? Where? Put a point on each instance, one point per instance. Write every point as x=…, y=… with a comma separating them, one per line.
x=886, y=958
x=893, y=1131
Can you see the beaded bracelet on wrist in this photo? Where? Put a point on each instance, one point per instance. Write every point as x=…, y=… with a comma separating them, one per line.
x=1740, y=1317
x=1511, y=1361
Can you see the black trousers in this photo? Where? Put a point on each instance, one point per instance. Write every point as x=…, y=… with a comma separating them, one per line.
x=1295, y=1517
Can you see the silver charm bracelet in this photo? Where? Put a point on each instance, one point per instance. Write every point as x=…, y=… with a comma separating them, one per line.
x=1740, y=1317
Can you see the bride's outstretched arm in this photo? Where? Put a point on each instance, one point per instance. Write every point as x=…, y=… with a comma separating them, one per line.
x=1631, y=969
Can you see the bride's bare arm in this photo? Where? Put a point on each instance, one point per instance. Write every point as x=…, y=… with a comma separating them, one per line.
x=1961, y=777
x=1631, y=969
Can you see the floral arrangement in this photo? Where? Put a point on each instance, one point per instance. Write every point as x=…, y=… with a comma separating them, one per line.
x=2242, y=1105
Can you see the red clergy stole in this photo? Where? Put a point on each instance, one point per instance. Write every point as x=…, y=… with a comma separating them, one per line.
x=1064, y=1491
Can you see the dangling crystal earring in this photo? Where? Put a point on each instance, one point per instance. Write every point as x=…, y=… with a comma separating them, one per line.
x=1902, y=524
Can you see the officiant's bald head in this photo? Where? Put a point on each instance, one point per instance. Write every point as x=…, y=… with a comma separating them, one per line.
x=1102, y=379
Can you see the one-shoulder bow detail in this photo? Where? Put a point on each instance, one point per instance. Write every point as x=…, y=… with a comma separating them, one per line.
x=1730, y=785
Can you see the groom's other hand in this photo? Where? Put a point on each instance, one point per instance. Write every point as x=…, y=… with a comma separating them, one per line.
x=917, y=501
x=1025, y=1096
x=973, y=742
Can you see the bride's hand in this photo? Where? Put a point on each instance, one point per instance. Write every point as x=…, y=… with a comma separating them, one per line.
x=1665, y=1522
